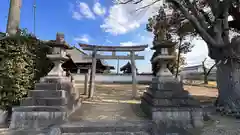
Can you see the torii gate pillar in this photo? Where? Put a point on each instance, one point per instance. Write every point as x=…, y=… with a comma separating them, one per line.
x=134, y=75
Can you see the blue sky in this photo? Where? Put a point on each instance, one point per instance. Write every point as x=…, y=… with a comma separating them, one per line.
x=95, y=22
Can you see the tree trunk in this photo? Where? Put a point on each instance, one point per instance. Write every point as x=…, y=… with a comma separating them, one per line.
x=228, y=83
x=205, y=79
x=178, y=60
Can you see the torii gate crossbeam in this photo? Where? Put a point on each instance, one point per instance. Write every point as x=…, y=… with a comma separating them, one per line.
x=114, y=49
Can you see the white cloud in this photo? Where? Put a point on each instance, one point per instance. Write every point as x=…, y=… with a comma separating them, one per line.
x=123, y=18
x=129, y=43
x=198, y=54
x=85, y=10
x=76, y=15
x=99, y=9
x=81, y=10
x=108, y=41
x=83, y=38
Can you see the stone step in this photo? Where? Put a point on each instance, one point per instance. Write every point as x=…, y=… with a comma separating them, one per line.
x=47, y=93
x=36, y=120
x=40, y=109
x=29, y=101
x=47, y=86
x=107, y=127
x=109, y=133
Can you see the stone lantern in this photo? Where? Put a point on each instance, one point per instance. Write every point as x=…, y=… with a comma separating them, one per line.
x=163, y=58
x=165, y=101
x=58, y=57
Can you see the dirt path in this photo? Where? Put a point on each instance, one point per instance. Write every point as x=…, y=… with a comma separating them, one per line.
x=110, y=103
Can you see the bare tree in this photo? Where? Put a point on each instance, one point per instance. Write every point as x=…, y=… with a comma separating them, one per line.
x=206, y=71
x=212, y=25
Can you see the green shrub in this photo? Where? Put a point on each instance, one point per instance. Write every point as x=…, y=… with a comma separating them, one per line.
x=22, y=63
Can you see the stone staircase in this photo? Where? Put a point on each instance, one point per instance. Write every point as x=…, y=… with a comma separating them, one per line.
x=106, y=128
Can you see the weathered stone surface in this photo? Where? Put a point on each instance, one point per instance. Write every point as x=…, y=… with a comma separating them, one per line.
x=40, y=109
x=51, y=101
x=30, y=120
x=166, y=102
x=47, y=93
x=110, y=133
x=67, y=86
x=48, y=86
x=30, y=101
x=109, y=127
x=162, y=83
x=55, y=79
x=170, y=101
x=168, y=93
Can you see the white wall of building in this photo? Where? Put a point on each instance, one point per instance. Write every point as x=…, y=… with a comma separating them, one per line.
x=146, y=79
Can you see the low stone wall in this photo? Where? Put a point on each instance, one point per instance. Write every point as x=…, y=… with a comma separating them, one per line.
x=122, y=79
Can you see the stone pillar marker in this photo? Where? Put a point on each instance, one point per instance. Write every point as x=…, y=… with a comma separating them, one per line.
x=166, y=102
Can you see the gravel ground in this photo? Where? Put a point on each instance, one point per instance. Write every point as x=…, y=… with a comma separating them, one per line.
x=222, y=125
x=109, y=94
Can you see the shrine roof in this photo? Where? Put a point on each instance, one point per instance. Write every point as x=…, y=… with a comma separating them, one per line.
x=77, y=55
x=127, y=65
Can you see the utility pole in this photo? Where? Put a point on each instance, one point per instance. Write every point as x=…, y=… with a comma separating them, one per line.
x=34, y=17
x=13, y=17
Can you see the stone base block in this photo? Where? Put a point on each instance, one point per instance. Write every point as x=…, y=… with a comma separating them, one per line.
x=36, y=120
x=167, y=101
x=47, y=93
x=48, y=86
x=163, y=83
x=67, y=86
x=40, y=109
x=168, y=93
x=55, y=79
x=44, y=101
x=174, y=116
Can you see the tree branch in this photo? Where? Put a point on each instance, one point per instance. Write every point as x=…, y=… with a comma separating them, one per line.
x=148, y=5
x=225, y=35
x=204, y=34
x=206, y=16
x=211, y=69
x=129, y=1
x=197, y=14
x=213, y=4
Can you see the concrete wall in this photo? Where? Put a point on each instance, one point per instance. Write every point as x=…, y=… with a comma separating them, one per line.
x=198, y=76
x=101, y=78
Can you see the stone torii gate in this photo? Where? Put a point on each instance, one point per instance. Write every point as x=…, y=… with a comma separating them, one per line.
x=114, y=49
